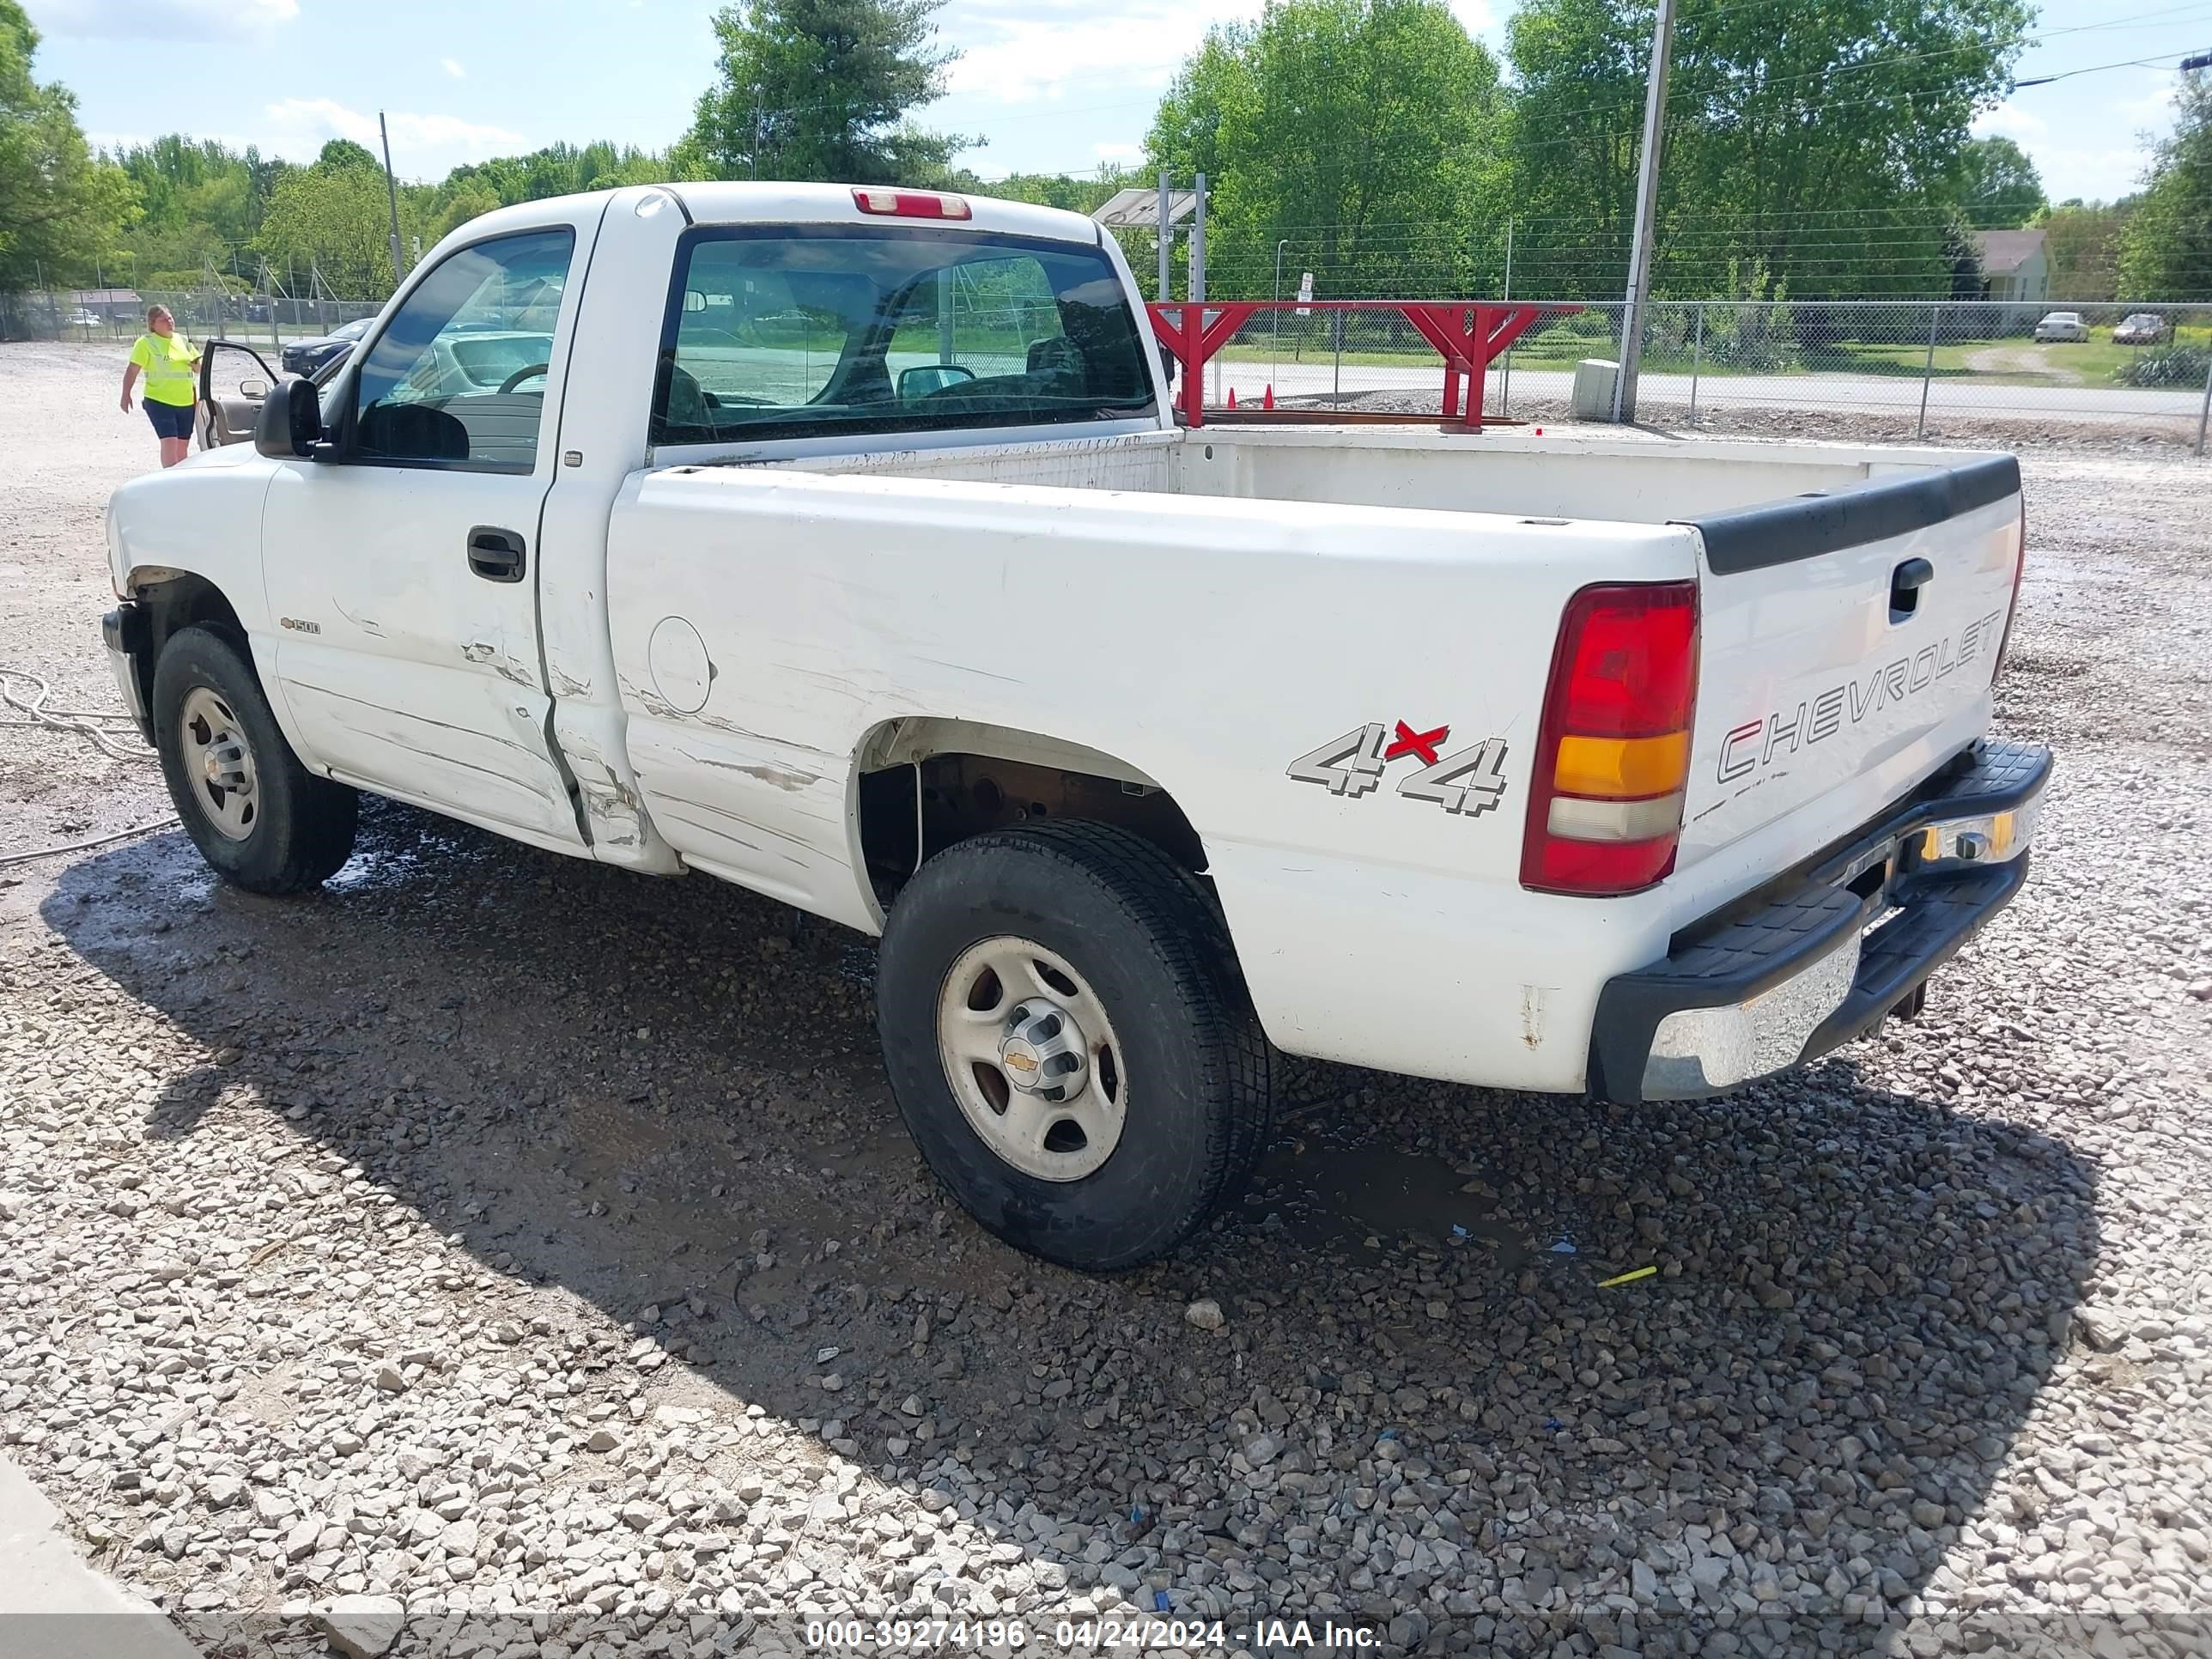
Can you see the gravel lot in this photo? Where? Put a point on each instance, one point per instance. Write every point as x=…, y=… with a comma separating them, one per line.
x=538, y=1247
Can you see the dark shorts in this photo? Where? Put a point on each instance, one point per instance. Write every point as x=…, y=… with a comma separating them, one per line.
x=170, y=420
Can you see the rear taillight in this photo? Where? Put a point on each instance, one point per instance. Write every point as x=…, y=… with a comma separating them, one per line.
x=2012, y=610
x=1613, y=752
x=911, y=204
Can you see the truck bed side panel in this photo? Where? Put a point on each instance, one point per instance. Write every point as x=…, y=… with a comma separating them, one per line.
x=1210, y=645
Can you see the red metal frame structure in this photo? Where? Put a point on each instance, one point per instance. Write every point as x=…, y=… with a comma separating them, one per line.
x=1468, y=334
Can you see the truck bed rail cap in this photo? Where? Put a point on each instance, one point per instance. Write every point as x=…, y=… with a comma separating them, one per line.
x=1806, y=526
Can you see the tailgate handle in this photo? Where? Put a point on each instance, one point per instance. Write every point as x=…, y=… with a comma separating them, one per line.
x=1904, y=585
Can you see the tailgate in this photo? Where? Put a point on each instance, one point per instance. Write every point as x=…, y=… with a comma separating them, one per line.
x=1847, y=644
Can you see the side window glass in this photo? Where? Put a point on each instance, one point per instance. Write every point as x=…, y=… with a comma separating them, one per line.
x=459, y=374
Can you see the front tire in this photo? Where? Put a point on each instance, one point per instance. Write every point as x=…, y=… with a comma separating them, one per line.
x=261, y=820
x=1070, y=1042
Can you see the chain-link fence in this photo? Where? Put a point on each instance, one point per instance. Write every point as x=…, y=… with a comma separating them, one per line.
x=1960, y=370
x=1966, y=371
x=205, y=313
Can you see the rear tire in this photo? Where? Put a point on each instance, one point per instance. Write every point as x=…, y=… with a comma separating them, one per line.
x=1070, y=1043
x=261, y=820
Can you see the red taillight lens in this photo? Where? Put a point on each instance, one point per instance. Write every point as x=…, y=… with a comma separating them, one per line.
x=1633, y=670
x=911, y=204
x=2012, y=611
x=1605, y=799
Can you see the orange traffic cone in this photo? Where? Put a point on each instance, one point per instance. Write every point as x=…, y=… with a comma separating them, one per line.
x=1232, y=396
x=1268, y=399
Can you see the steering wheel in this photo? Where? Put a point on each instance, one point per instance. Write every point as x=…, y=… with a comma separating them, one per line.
x=522, y=375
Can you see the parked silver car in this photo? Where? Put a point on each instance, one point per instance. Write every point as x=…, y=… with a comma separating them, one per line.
x=2061, y=325
x=2142, y=328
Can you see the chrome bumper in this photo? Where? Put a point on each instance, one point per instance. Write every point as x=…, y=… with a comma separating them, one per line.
x=1810, y=962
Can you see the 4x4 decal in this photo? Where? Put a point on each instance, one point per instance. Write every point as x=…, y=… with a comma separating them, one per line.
x=1469, y=781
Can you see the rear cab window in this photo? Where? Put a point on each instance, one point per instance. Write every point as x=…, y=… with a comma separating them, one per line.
x=819, y=331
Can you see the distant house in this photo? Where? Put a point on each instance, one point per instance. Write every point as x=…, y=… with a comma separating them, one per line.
x=115, y=305
x=2015, y=266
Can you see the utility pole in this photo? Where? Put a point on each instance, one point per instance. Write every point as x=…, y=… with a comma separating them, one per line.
x=760, y=127
x=1198, y=243
x=1646, y=194
x=392, y=195
x=1166, y=239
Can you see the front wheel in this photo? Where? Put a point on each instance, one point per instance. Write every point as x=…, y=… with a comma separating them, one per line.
x=1070, y=1042
x=260, y=819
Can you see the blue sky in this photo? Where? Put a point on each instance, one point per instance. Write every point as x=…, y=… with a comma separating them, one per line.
x=1052, y=84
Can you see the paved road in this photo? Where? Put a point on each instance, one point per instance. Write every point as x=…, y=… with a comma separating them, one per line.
x=1888, y=394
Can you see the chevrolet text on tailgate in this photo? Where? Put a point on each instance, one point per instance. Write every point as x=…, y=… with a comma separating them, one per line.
x=842, y=544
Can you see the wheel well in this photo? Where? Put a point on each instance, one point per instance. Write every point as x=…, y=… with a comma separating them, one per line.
x=920, y=790
x=180, y=602
x=171, y=604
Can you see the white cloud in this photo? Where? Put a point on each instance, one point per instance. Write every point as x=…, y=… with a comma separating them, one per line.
x=1023, y=51
x=1120, y=154
x=453, y=69
x=302, y=124
x=2010, y=121
x=2154, y=101
x=162, y=20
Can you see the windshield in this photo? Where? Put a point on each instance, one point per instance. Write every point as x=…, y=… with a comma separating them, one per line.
x=801, y=332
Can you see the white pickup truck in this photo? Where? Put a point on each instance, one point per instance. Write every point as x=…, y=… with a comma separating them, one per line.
x=842, y=544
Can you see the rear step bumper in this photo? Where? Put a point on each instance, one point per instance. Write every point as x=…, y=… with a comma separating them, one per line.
x=1785, y=973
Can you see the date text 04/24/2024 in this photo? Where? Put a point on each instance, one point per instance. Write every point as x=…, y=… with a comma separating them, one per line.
x=1085, y=1634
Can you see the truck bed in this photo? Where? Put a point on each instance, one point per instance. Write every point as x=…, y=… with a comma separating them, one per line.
x=1608, y=478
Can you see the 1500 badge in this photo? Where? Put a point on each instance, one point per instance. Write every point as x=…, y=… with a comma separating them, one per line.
x=1470, y=781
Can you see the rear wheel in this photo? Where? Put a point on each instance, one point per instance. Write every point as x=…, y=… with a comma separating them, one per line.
x=1070, y=1042
x=260, y=819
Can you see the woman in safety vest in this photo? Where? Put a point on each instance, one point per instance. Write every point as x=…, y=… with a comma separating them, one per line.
x=171, y=364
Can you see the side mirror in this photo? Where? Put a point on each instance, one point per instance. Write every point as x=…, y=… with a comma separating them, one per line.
x=291, y=425
x=254, y=390
x=916, y=383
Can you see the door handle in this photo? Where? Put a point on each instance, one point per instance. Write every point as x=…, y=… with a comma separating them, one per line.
x=496, y=555
x=1904, y=585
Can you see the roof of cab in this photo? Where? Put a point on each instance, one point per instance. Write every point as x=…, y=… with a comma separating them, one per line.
x=775, y=203
x=767, y=203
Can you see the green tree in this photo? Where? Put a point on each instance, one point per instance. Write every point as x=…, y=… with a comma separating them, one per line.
x=343, y=155
x=1825, y=141
x=1362, y=134
x=2001, y=189
x=61, y=208
x=2166, y=251
x=202, y=204
x=334, y=217
x=822, y=89
x=2081, y=240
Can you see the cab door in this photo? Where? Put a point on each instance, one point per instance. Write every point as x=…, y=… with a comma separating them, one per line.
x=401, y=563
x=235, y=383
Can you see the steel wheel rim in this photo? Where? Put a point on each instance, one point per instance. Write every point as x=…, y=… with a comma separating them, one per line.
x=218, y=764
x=1012, y=1016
